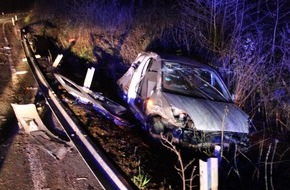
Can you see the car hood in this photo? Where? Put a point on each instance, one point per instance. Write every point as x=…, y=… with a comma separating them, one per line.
x=209, y=115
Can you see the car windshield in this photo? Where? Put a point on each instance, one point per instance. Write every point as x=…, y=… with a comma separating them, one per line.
x=193, y=81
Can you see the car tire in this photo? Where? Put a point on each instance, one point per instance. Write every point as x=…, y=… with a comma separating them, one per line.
x=155, y=125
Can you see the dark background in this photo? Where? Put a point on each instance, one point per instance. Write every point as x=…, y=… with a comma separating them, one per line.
x=12, y=6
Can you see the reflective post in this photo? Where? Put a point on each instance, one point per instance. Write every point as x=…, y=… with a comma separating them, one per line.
x=208, y=172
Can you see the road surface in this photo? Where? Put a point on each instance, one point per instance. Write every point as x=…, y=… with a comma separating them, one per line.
x=27, y=162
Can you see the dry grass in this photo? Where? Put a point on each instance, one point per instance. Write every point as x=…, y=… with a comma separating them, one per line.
x=128, y=27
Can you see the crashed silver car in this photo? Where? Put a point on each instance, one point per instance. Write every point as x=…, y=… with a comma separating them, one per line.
x=184, y=99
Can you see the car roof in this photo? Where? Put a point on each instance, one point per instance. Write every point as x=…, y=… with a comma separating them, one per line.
x=177, y=58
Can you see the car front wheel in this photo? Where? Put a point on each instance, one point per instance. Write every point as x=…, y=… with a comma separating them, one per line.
x=155, y=125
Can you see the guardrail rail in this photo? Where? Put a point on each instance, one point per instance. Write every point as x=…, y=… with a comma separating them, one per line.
x=105, y=170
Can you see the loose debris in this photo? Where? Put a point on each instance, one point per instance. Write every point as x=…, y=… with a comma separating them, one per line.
x=103, y=105
x=29, y=120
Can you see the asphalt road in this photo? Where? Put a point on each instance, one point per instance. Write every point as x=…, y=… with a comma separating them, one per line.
x=25, y=161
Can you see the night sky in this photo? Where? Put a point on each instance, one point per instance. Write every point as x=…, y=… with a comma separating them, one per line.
x=12, y=6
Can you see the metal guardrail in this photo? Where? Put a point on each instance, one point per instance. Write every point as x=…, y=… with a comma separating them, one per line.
x=106, y=172
x=12, y=15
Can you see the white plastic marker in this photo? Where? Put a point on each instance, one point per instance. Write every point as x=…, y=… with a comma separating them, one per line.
x=89, y=77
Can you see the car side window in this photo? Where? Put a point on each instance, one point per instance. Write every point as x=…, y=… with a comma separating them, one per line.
x=149, y=80
x=146, y=67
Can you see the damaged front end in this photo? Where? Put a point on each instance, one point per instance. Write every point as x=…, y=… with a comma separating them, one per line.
x=181, y=129
x=187, y=135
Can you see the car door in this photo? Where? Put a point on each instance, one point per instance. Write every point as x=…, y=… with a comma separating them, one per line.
x=145, y=86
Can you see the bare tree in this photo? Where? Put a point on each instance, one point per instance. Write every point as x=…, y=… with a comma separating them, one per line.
x=186, y=182
x=213, y=22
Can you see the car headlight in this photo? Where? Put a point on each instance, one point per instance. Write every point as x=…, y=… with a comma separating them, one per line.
x=178, y=113
x=181, y=117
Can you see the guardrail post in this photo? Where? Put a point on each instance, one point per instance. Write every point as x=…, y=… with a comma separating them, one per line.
x=57, y=60
x=89, y=77
x=208, y=174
